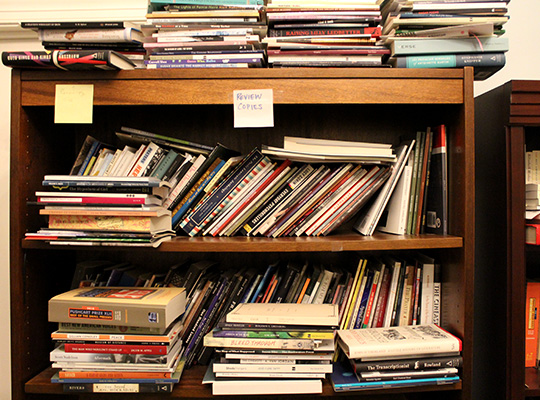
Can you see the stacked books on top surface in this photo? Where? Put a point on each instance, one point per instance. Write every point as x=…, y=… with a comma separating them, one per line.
x=272, y=349
x=402, y=356
x=80, y=45
x=440, y=34
x=328, y=33
x=195, y=34
x=119, y=339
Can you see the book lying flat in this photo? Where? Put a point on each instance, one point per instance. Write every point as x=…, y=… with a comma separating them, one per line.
x=119, y=306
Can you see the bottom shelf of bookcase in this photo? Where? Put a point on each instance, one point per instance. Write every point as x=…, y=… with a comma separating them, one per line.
x=190, y=387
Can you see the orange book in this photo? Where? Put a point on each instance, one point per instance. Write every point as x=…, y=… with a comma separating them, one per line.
x=303, y=292
x=532, y=302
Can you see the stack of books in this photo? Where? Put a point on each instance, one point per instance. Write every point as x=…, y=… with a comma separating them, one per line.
x=309, y=187
x=328, y=33
x=195, y=34
x=272, y=349
x=103, y=211
x=397, y=357
x=102, y=44
x=439, y=34
x=118, y=339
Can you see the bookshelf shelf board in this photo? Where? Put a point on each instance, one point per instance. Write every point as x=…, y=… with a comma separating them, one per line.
x=190, y=387
x=532, y=382
x=339, y=242
x=348, y=86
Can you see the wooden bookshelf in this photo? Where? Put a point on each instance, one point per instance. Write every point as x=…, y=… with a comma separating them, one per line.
x=508, y=124
x=362, y=104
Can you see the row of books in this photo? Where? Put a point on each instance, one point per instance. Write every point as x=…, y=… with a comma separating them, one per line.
x=144, y=356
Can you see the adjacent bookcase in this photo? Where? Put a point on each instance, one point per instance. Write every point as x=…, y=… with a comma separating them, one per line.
x=508, y=120
x=384, y=105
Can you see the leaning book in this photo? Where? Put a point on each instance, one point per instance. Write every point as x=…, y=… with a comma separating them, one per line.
x=152, y=307
x=397, y=341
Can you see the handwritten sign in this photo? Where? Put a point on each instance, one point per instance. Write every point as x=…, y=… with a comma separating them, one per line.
x=253, y=108
x=73, y=104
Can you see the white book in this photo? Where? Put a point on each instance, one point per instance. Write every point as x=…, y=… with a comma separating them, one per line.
x=132, y=160
x=319, y=296
x=397, y=341
x=140, y=166
x=426, y=308
x=284, y=313
x=124, y=159
x=271, y=368
x=369, y=218
x=394, y=218
x=396, y=269
x=270, y=375
x=287, y=357
x=184, y=180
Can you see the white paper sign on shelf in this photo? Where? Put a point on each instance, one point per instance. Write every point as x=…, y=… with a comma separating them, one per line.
x=73, y=104
x=253, y=108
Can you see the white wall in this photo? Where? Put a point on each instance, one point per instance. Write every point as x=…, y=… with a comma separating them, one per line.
x=522, y=63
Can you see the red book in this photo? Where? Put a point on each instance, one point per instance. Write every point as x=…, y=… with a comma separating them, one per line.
x=532, y=234
x=114, y=348
x=532, y=302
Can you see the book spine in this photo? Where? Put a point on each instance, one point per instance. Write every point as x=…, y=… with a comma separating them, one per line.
x=450, y=46
x=207, y=2
x=123, y=349
x=86, y=35
x=117, y=387
x=286, y=344
x=324, y=31
x=113, y=375
x=408, y=364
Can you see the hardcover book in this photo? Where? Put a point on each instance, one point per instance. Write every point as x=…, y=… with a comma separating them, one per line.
x=153, y=307
x=68, y=60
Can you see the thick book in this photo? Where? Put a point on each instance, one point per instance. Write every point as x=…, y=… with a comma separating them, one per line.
x=282, y=313
x=112, y=223
x=68, y=60
x=153, y=307
x=397, y=341
x=415, y=46
x=415, y=363
x=165, y=387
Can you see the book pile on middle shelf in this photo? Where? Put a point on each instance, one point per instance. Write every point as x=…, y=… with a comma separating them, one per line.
x=402, y=356
x=324, y=34
x=135, y=346
x=272, y=349
x=440, y=34
x=205, y=34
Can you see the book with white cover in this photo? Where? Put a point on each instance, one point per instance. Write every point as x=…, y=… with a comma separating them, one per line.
x=397, y=341
x=261, y=386
x=394, y=217
x=284, y=313
x=335, y=147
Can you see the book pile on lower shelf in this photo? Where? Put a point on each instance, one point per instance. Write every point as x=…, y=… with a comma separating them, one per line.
x=330, y=35
x=201, y=34
x=118, y=339
x=444, y=35
x=272, y=349
x=401, y=356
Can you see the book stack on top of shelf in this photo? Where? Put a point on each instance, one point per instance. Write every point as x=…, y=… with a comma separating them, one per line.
x=277, y=192
x=272, y=349
x=404, y=356
x=204, y=34
x=86, y=45
x=136, y=346
x=439, y=34
x=324, y=34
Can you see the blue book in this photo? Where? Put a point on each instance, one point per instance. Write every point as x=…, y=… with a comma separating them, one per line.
x=196, y=196
x=202, y=215
x=364, y=300
x=408, y=46
x=344, y=379
x=266, y=277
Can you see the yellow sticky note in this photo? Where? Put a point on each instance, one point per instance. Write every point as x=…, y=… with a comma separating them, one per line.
x=73, y=104
x=253, y=108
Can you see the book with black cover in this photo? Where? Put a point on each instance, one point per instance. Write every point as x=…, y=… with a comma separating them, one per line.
x=67, y=60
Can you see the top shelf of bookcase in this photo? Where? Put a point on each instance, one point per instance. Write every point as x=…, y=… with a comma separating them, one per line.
x=297, y=86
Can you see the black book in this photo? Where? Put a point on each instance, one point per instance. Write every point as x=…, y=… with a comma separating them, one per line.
x=413, y=364
x=79, y=25
x=220, y=151
x=68, y=60
x=87, y=270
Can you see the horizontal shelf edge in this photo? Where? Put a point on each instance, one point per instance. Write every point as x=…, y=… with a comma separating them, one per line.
x=337, y=243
